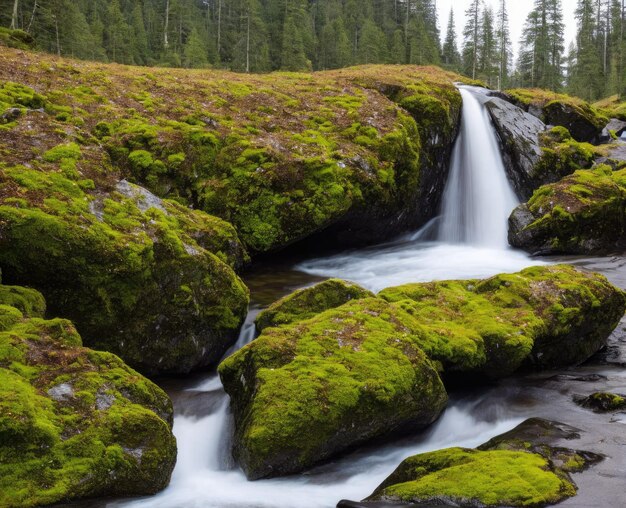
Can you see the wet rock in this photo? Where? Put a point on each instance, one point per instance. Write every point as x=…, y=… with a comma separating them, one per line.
x=75, y=423
x=615, y=128
x=519, y=468
x=602, y=402
x=584, y=213
x=518, y=132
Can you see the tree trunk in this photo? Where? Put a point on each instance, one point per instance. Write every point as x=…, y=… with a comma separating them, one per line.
x=219, y=26
x=166, y=42
x=32, y=16
x=14, y=16
x=248, y=43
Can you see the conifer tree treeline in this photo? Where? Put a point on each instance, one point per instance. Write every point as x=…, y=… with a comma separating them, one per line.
x=241, y=35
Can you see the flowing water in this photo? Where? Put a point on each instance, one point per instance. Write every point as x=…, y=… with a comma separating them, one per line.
x=470, y=241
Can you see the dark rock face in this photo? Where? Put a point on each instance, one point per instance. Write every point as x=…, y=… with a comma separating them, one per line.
x=520, y=468
x=519, y=137
x=585, y=213
x=583, y=127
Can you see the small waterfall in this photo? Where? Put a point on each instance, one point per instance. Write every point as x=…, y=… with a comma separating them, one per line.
x=478, y=197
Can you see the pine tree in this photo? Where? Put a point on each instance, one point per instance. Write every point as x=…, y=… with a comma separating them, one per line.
x=372, y=44
x=194, y=52
x=487, y=49
x=586, y=78
x=450, y=55
x=503, y=41
x=471, y=34
x=293, y=56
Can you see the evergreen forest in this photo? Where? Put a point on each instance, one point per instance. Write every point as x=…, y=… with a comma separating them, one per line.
x=301, y=35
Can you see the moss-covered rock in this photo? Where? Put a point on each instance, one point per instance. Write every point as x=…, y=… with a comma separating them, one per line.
x=503, y=472
x=548, y=316
x=583, y=213
x=584, y=121
x=306, y=303
x=147, y=279
x=602, y=402
x=360, y=154
x=304, y=392
x=74, y=422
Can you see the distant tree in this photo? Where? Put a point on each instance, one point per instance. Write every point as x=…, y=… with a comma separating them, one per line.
x=451, y=57
x=293, y=56
x=487, y=49
x=195, y=52
x=503, y=41
x=586, y=79
x=471, y=35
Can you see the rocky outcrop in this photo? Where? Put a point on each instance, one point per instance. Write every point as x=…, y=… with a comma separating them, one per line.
x=308, y=302
x=74, y=423
x=535, y=156
x=147, y=279
x=519, y=468
x=518, y=132
x=582, y=120
x=583, y=213
x=304, y=392
x=315, y=386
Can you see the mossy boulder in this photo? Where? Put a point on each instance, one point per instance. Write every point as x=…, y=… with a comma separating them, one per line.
x=583, y=120
x=583, y=213
x=74, y=423
x=147, y=279
x=353, y=155
x=306, y=303
x=547, y=316
x=602, y=402
x=304, y=392
x=503, y=472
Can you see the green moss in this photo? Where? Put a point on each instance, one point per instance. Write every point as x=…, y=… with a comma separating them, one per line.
x=483, y=478
x=20, y=96
x=114, y=265
x=304, y=392
x=74, y=422
x=306, y=303
x=16, y=39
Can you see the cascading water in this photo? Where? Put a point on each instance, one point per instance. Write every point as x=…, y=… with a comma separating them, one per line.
x=472, y=243
x=478, y=198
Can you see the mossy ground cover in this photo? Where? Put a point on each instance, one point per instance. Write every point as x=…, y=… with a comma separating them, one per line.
x=494, y=326
x=280, y=156
x=583, y=213
x=612, y=107
x=73, y=422
x=308, y=302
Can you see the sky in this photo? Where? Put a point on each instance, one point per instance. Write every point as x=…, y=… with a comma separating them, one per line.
x=518, y=11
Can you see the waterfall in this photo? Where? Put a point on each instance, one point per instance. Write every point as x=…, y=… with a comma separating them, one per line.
x=478, y=197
